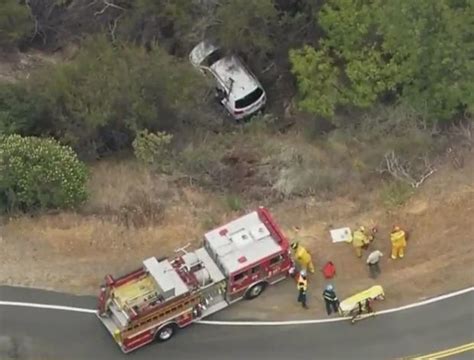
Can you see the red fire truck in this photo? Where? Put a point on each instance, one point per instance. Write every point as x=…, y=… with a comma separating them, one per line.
x=237, y=260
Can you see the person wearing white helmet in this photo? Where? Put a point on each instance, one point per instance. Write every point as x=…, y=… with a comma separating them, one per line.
x=330, y=299
x=302, y=287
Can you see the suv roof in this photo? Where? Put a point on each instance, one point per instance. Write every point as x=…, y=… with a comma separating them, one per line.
x=228, y=69
x=235, y=77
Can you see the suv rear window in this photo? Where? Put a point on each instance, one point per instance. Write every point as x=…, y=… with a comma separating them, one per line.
x=216, y=55
x=249, y=99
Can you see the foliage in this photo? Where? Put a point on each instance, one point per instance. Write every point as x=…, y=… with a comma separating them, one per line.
x=20, y=112
x=395, y=193
x=98, y=101
x=429, y=38
x=246, y=26
x=390, y=141
x=15, y=22
x=152, y=148
x=234, y=202
x=39, y=173
x=151, y=20
x=317, y=79
x=372, y=48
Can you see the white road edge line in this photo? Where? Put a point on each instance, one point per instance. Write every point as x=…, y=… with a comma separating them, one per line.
x=47, y=306
x=253, y=323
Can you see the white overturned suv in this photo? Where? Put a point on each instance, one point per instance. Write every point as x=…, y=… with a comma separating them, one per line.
x=238, y=90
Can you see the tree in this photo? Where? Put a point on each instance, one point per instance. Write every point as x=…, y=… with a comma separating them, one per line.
x=39, y=173
x=175, y=24
x=432, y=42
x=317, y=79
x=246, y=26
x=403, y=48
x=108, y=92
x=20, y=112
x=15, y=22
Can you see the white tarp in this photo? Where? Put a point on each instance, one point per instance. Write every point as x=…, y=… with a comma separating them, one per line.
x=341, y=235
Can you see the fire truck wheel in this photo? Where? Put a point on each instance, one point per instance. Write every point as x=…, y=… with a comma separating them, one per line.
x=166, y=332
x=255, y=291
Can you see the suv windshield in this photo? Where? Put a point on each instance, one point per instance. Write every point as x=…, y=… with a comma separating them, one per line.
x=213, y=57
x=249, y=99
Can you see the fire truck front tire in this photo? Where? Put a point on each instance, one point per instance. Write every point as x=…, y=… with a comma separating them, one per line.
x=165, y=333
x=255, y=290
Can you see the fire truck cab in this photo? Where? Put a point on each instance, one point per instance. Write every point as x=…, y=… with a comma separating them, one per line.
x=237, y=260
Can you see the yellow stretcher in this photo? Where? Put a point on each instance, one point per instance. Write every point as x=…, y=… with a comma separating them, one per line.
x=359, y=304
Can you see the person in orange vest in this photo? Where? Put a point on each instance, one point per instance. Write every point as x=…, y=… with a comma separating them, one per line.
x=302, y=286
x=359, y=240
x=302, y=257
x=399, y=242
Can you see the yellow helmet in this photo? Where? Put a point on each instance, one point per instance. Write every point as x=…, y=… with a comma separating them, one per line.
x=362, y=228
x=294, y=245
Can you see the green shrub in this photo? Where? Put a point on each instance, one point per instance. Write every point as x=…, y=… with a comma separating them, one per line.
x=21, y=112
x=395, y=193
x=98, y=101
x=234, y=202
x=152, y=148
x=39, y=173
x=15, y=22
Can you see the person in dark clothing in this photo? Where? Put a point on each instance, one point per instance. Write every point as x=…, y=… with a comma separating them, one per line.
x=331, y=300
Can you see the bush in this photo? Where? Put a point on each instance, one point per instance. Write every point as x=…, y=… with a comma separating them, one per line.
x=234, y=202
x=395, y=193
x=246, y=26
x=21, y=112
x=39, y=173
x=100, y=100
x=151, y=149
x=15, y=22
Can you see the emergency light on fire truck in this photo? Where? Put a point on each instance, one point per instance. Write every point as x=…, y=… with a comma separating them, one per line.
x=237, y=260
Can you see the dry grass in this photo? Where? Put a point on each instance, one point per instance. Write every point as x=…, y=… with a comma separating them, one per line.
x=128, y=194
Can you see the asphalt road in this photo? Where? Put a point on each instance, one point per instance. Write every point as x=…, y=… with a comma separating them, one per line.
x=27, y=333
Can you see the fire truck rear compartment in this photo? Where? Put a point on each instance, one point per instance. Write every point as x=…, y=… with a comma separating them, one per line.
x=161, y=283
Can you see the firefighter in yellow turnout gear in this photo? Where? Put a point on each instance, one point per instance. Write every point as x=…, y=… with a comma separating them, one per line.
x=302, y=257
x=359, y=240
x=399, y=242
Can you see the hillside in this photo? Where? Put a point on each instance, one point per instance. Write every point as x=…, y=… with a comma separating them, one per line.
x=114, y=147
